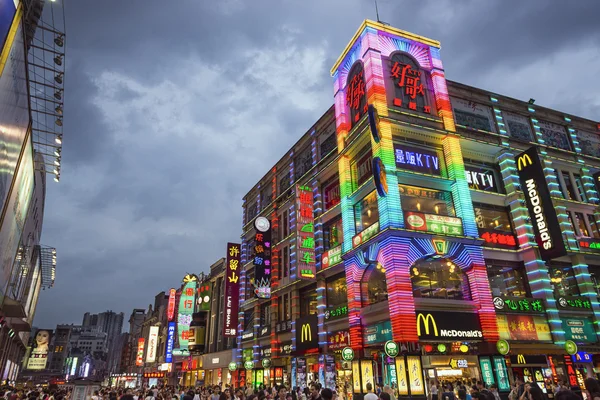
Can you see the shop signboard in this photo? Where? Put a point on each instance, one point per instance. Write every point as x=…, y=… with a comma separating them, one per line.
x=186, y=309
x=448, y=325
x=518, y=305
x=336, y=311
x=331, y=194
x=487, y=371
x=152, y=344
x=356, y=376
x=40, y=347
x=301, y=372
x=523, y=327
x=365, y=235
x=481, y=179
x=501, y=373
x=286, y=348
x=204, y=296
x=377, y=333
x=307, y=333
x=262, y=258
x=415, y=375
x=329, y=371
x=364, y=168
x=525, y=359
x=264, y=331
x=232, y=289
x=539, y=203
x=433, y=223
x=171, y=304
x=305, y=232
x=331, y=257
x=283, y=326
x=401, y=376
x=589, y=244
x=356, y=93
x=575, y=303
x=473, y=115
x=417, y=159
x=139, y=358
x=579, y=330
x=582, y=357
x=366, y=369
x=571, y=374
x=338, y=340
x=495, y=238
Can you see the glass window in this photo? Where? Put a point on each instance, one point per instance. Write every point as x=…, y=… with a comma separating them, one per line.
x=331, y=193
x=427, y=201
x=333, y=233
x=373, y=285
x=366, y=212
x=248, y=319
x=595, y=277
x=570, y=193
x=580, y=189
x=265, y=314
x=439, y=278
x=285, y=265
x=328, y=145
x=563, y=280
x=583, y=230
x=308, y=301
x=562, y=191
x=507, y=280
x=337, y=291
x=286, y=307
x=595, y=226
x=491, y=217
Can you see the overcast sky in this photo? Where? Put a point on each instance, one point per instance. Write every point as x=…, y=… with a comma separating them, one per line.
x=174, y=109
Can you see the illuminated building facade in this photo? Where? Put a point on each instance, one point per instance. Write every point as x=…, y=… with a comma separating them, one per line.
x=460, y=225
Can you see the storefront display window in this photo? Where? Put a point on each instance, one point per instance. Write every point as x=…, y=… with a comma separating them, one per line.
x=333, y=233
x=337, y=291
x=366, y=212
x=308, y=300
x=492, y=217
x=373, y=285
x=427, y=201
x=563, y=280
x=583, y=230
x=439, y=278
x=507, y=280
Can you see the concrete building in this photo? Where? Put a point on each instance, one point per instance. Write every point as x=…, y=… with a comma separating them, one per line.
x=428, y=226
x=110, y=323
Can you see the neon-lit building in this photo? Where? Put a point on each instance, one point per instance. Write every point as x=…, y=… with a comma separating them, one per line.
x=459, y=224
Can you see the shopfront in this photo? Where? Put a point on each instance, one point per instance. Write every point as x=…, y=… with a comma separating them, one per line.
x=216, y=368
x=451, y=367
x=338, y=372
x=192, y=371
x=131, y=380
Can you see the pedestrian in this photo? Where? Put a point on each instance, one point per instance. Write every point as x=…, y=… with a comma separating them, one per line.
x=326, y=394
x=592, y=389
x=370, y=395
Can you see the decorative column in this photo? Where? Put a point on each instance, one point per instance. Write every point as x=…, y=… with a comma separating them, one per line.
x=586, y=287
x=354, y=269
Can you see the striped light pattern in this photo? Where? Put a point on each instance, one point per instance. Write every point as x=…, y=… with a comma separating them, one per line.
x=274, y=267
x=589, y=186
x=440, y=90
x=244, y=259
x=354, y=269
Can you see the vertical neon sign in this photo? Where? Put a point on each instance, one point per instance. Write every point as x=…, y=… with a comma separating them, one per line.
x=170, y=342
x=139, y=360
x=232, y=289
x=171, y=305
x=186, y=309
x=305, y=232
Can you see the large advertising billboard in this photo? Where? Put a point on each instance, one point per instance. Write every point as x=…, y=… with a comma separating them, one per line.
x=232, y=289
x=186, y=309
x=40, y=347
x=152, y=344
x=537, y=197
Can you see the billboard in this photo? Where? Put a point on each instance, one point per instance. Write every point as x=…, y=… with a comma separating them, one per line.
x=186, y=309
x=448, y=325
x=170, y=342
x=14, y=120
x=305, y=232
x=152, y=344
x=171, y=304
x=40, y=347
x=232, y=289
x=139, y=358
x=307, y=333
x=537, y=197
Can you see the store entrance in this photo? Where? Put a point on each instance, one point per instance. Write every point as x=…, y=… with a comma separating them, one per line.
x=451, y=369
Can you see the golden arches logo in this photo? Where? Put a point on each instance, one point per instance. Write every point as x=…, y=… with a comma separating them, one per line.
x=521, y=359
x=523, y=161
x=305, y=333
x=426, y=323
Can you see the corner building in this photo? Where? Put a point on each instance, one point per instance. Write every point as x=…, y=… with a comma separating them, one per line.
x=423, y=236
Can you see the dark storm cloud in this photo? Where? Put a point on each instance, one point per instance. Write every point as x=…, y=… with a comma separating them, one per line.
x=175, y=109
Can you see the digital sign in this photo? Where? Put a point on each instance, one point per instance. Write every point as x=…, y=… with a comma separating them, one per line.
x=417, y=159
x=519, y=305
x=171, y=304
x=495, y=238
x=170, y=342
x=541, y=210
x=186, y=309
x=305, y=232
x=139, y=359
x=262, y=258
x=232, y=289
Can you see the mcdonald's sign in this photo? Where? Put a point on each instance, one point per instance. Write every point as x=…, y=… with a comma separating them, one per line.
x=307, y=333
x=541, y=210
x=448, y=325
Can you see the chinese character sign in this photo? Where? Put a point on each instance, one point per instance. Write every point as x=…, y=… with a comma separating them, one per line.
x=139, y=359
x=233, y=268
x=186, y=309
x=171, y=305
x=305, y=235
x=262, y=264
x=170, y=342
x=356, y=93
x=204, y=296
x=410, y=84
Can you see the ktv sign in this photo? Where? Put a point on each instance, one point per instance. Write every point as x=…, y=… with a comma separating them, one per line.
x=541, y=210
x=448, y=325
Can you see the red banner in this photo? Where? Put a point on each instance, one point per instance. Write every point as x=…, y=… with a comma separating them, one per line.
x=521, y=327
x=232, y=289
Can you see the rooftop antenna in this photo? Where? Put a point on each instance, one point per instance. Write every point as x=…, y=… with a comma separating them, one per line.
x=377, y=13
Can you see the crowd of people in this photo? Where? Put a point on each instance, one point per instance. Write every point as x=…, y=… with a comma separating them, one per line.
x=458, y=390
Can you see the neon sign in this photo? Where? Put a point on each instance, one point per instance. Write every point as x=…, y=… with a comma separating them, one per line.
x=171, y=305
x=356, y=98
x=433, y=223
x=408, y=84
x=139, y=359
x=305, y=232
x=262, y=258
x=170, y=342
x=331, y=257
x=186, y=309
x=418, y=160
x=232, y=289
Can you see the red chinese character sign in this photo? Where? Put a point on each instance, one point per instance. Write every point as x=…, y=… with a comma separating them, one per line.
x=411, y=84
x=139, y=358
x=262, y=258
x=305, y=232
x=232, y=289
x=356, y=93
x=171, y=305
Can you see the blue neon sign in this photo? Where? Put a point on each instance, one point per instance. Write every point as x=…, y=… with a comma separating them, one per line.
x=170, y=342
x=416, y=159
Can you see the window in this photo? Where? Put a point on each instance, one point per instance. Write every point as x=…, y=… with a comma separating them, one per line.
x=373, y=285
x=249, y=290
x=331, y=193
x=595, y=225
x=266, y=195
x=285, y=264
x=492, y=217
x=557, y=174
x=569, y=193
x=265, y=314
x=286, y=307
x=580, y=189
x=337, y=292
x=583, y=230
x=563, y=280
x=366, y=212
x=439, y=278
x=308, y=301
x=284, y=226
x=328, y=145
x=252, y=211
x=362, y=167
x=333, y=233
x=507, y=280
x=427, y=201
x=248, y=320
x=284, y=183
x=303, y=162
